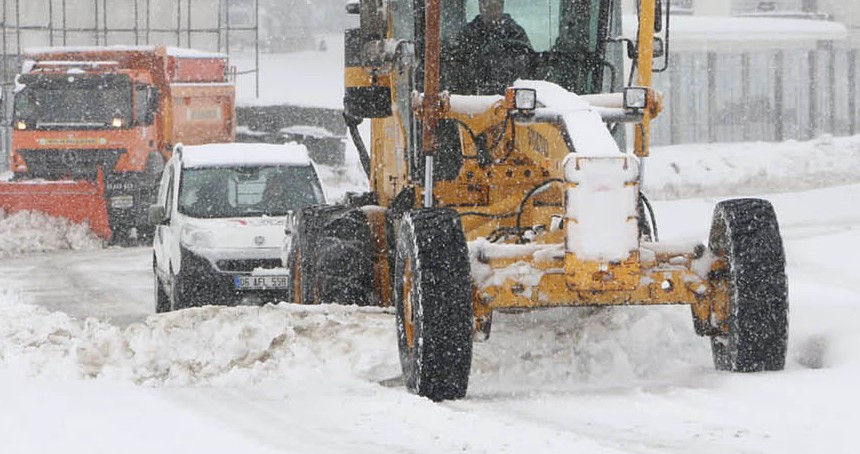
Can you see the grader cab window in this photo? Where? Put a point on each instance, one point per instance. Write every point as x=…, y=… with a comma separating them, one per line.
x=488, y=44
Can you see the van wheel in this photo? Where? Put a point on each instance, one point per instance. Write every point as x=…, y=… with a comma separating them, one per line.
x=344, y=263
x=745, y=237
x=433, y=301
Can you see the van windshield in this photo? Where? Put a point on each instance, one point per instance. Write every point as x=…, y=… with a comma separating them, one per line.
x=227, y=192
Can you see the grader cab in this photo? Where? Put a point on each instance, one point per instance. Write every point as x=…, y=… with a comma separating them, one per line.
x=506, y=183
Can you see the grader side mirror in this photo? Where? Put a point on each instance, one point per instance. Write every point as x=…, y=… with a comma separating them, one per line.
x=659, y=47
x=374, y=22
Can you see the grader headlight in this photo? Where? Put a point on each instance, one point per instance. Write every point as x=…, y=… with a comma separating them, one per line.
x=635, y=98
x=521, y=99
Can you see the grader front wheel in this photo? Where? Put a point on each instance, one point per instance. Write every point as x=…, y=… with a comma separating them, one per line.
x=433, y=301
x=745, y=237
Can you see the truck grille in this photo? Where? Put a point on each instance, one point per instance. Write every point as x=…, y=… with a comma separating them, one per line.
x=78, y=163
x=246, y=266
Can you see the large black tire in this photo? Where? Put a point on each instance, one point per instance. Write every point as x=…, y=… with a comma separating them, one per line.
x=433, y=300
x=745, y=234
x=301, y=260
x=344, y=261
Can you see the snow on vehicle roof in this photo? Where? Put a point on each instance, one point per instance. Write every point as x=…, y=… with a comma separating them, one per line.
x=172, y=51
x=244, y=154
x=308, y=130
x=731, y=33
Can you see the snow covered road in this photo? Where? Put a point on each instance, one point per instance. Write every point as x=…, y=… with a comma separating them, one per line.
x=324, y=379
x=111, y=284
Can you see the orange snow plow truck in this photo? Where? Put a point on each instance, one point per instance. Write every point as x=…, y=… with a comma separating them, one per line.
x=92, y=128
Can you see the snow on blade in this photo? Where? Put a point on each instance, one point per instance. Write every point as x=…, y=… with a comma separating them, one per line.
x=26, y=232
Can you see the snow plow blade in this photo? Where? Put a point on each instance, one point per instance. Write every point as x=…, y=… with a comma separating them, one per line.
x=77, y=201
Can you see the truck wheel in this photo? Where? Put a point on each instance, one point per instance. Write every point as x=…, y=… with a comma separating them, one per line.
x=433, y=301
x=306, y=240
x=344, y=262
x=745, y=236
x=162, y=301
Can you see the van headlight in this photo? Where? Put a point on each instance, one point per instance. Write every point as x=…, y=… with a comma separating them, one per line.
x=195, y=237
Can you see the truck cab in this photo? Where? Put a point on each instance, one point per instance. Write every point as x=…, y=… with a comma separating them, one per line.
x=110, y=116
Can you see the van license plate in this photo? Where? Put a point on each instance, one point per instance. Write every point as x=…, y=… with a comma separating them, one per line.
x=260, y=282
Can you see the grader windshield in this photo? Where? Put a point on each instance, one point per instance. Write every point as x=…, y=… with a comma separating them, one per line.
x=488, y=44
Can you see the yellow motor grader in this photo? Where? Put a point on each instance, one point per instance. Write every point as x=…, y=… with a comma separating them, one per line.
x=500, y=179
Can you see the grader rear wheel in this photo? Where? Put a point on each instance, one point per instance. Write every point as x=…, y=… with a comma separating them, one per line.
x=304, y=243
x=745, y=237
x=433, y=301
x=344, y=261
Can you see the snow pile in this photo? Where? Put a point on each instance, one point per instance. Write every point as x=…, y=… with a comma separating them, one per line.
x=564, y=348
x=712, y=170
x=219, y=346
x=202, y=346
x=26, y=232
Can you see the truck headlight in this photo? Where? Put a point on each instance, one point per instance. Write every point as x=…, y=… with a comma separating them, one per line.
x=116, y=122
x=635, y=97
x=195, y=237
x=20, y=125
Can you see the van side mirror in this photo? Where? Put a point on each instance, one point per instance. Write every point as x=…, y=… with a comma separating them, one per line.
x=374, y=19
x=157, y=215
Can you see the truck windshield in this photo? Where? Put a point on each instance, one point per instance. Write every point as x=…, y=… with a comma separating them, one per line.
x=227, y=192
x=74, y=102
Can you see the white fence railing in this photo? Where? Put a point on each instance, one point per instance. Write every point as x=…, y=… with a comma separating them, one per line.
x=763, y=95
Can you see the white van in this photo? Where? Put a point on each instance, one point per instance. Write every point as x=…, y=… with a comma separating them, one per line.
x=220, y=219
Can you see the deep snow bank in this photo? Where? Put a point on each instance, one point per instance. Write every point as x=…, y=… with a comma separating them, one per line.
x=246, y=345
x=202, y=346
x=738, y=169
